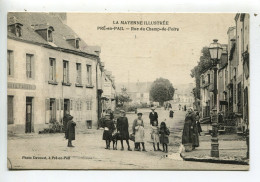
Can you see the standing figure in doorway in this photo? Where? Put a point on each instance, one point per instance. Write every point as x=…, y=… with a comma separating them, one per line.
x=122, y=128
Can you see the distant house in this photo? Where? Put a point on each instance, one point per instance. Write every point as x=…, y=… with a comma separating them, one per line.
x=139, y=92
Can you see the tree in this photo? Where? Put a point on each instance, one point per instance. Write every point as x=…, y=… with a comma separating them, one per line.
x=161, y=90
x=204, y=64
x=123, y=97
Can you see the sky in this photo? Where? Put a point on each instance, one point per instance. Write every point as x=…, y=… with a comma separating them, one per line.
x=146, y=55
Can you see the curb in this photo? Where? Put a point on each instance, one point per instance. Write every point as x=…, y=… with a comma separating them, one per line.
x=214, y=160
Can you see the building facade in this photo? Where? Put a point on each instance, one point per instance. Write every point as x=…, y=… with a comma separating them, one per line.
x=50, y=71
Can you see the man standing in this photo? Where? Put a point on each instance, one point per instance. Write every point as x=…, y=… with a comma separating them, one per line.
x=65, y=121
x=153, y=116
x=70, y=134
x=122, y=127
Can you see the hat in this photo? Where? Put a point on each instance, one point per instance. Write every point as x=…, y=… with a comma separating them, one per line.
x=122, y=111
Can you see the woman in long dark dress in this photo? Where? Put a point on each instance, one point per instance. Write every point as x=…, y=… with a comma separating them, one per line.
x=187, y=135
x=122, y=128
x=195, y=134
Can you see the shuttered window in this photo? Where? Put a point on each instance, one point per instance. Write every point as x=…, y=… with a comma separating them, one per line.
x=10, y=63
x=29, y=65
x=65, y=72
x=89, y=74
x=52, y=69
x=78, y=69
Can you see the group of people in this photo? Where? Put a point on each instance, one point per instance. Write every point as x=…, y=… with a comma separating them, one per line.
x=191, y=130
x=119, y=130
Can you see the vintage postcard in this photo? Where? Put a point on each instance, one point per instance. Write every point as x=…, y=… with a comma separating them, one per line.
x=132, y=91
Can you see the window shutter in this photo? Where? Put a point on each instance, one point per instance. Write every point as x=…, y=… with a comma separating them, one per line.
x=58, y=104
x=47, y=110
x=61, y=104
x=71, y=104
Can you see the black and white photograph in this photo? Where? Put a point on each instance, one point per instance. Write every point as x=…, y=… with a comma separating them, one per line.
x=128, y=91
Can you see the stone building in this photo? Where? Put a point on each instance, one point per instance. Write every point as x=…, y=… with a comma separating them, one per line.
x=50, y=71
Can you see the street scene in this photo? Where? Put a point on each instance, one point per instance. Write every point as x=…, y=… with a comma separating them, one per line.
x=130, y=91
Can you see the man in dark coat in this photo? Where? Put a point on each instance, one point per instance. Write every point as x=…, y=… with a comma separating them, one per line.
x=153, y=116
x=70, y=134
x=65, y=121
x=122, y=127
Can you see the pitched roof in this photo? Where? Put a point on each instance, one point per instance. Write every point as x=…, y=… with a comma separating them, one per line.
x=42, y=20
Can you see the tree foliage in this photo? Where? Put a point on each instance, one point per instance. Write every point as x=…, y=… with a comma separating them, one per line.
x=123, y=97
x=161, y=90
x=204, y=64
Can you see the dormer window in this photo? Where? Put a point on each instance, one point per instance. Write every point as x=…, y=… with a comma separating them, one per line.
x=73, y=41
x=15, y=27
x=18, y=30
x=45, y=31
x=77, y=43
x=50, y=38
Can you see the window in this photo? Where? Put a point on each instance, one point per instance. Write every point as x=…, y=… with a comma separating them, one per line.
x=89, y=105
x=89, y=75
x=18, y=31
x=29, y=65
x=65, y=72
x=10, y=63
x=208, y=78
x=78, y=67
x=52, y=110
x=77, y=44
x=50, y=38
x=10, y=109
x=52, y=72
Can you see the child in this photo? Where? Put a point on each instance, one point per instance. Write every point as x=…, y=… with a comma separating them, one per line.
x=155, y=135
x=164, y=136
x=109, y=127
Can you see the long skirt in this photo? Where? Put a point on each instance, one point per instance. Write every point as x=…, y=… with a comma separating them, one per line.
x=139, y=134
x=187, y=133
x=195, y=137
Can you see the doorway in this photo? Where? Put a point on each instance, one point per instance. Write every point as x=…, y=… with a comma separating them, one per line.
x=29, y=115
x=66, y=106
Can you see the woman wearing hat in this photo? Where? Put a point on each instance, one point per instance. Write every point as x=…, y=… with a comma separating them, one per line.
x=138, y=131
x=122, y=127
x=188, y=129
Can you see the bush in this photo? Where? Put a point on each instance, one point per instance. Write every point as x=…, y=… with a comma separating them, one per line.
x=54, y=127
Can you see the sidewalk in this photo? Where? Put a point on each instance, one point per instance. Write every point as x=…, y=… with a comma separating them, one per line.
x=232, y=150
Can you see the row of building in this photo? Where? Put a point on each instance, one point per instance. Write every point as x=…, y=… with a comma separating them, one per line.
x=51, y=70
x=232, y=79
